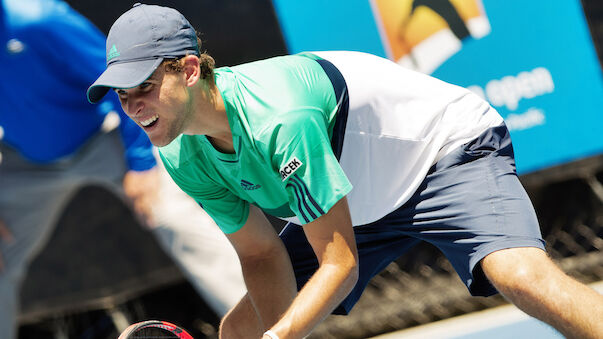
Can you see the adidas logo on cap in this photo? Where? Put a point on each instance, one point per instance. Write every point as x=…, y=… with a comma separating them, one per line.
x=113, y=53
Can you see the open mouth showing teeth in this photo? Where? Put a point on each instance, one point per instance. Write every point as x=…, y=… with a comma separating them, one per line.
x=150, y=122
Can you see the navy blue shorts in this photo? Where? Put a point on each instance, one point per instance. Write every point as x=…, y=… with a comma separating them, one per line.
x=469, y=205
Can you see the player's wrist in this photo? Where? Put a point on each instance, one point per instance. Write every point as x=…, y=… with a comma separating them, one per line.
x=270, y=335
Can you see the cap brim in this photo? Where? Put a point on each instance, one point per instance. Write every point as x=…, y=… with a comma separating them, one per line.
x=122, y=75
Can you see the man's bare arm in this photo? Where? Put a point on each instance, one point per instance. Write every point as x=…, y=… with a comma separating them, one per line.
x=266, y=268
x=332, y=239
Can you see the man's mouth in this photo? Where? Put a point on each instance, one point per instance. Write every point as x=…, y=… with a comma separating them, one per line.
x=150, y=121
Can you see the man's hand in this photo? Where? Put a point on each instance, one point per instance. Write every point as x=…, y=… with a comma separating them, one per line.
x=5, y=236
x=142, y=188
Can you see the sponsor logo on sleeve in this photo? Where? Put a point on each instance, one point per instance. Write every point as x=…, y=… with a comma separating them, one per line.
x=290, y=168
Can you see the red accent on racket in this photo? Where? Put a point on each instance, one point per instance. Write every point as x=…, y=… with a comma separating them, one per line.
x=154, y=329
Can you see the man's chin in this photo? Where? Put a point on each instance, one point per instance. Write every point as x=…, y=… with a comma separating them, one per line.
x=159, y=142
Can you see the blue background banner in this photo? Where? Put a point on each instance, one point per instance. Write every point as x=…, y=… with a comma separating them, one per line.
x=535, y=64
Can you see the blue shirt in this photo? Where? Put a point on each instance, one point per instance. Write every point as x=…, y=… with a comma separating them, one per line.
x=49, y=55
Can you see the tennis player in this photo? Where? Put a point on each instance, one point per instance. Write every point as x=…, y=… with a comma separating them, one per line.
x=365, y=158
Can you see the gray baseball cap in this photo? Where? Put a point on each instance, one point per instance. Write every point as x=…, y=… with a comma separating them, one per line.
x=139, y=40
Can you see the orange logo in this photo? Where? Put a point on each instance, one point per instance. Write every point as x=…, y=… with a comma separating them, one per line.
x=422, y=34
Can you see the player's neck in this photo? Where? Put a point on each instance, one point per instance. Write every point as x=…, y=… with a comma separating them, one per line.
x=210, y=118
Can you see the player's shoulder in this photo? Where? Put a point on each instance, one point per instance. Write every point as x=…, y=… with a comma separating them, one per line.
x=273, y=64
x=292, y=126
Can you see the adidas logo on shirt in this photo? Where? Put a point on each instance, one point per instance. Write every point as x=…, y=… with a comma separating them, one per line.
x=249, y=186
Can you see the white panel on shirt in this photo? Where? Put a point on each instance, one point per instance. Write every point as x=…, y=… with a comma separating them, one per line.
x=400, y=122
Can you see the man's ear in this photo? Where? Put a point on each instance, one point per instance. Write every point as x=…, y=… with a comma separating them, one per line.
x=191, y=69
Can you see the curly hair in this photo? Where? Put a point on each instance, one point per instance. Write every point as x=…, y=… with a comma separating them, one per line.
x=206, y=62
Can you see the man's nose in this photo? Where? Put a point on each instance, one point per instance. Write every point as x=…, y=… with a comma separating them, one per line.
x=135, y=105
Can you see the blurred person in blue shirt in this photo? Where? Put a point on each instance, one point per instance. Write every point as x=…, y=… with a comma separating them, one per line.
x=53, y=142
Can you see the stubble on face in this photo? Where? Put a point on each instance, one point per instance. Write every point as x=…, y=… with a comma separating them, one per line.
x=173, y=107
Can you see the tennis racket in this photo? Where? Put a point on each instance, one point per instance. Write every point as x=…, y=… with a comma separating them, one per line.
x=154, y=329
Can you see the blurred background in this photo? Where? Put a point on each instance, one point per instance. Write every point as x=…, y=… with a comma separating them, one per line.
x=537, y=62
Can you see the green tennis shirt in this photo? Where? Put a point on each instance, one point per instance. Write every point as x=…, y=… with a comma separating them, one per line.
x=281, y=112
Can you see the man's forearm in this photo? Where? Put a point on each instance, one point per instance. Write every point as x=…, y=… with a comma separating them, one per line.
x=329, y=285
x=271, y=285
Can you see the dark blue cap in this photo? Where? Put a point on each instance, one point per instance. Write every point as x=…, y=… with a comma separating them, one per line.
x=139, y=40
